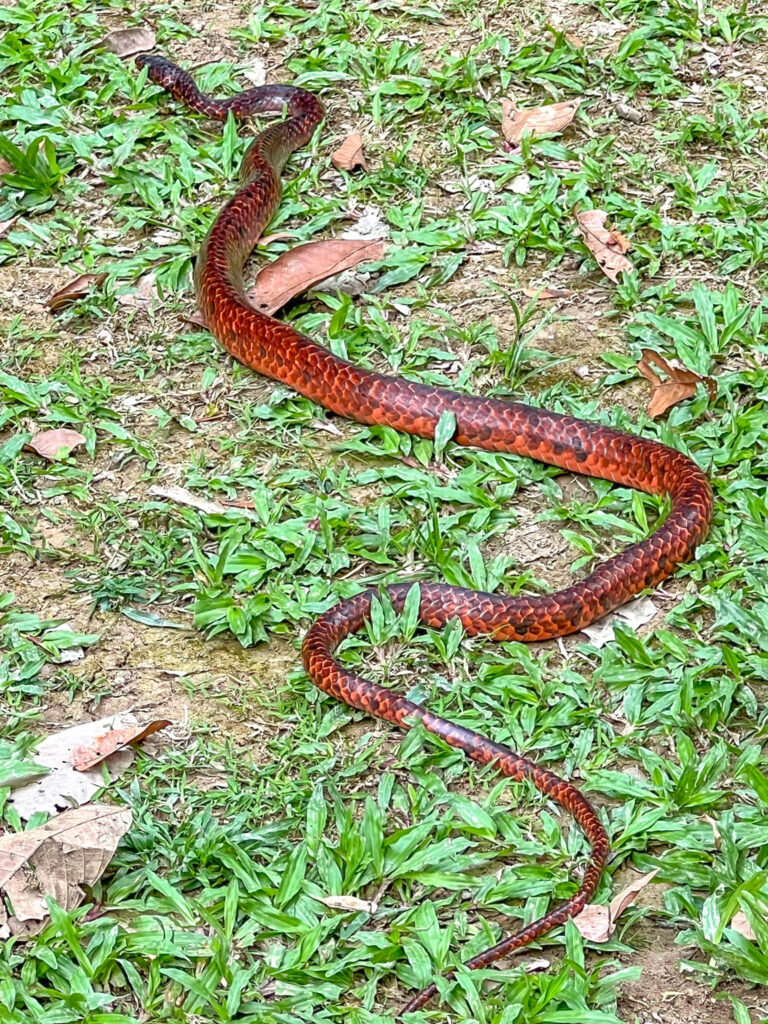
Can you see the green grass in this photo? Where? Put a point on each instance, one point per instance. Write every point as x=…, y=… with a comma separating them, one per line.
x=212, y=908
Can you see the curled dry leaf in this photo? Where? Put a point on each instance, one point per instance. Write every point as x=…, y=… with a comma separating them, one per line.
x=74, y=289
x=547, y=293
x=680, y=385
x=299, y=269
x=350, y=154
x=597, y=923
x=62, y=786
x=350, y=903
x=55, y=444
x=608, y=247
x=547, y=120
x=57, y=860
x=740, y=923
x=100, y=747
x=143, y=296
x=5, y=225
x=633, y=614
x=126, y=41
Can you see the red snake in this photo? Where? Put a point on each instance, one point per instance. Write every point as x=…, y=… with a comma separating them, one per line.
x=276, y=350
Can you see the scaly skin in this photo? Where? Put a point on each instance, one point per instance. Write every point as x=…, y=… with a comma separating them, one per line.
x=274, y=349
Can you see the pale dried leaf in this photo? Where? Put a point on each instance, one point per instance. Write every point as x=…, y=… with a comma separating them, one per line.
x=57, y=860
x=101, y=747
x=143, y=296
x=680, y=385
x=256, y=73
x=55, y=444
x=594, y=923
x=634, y=614
x=5, y=225
x=546, y=120
x=74, y=289
x=182, y=496
x=607, y=250
x=597, y=923
x=520, y=184
x=349, y=903
x=63, y=787
x=623, y=899
x=548, y=293
x=350, y=154
x=740, y=923
x=124, y=42
x=299, y=269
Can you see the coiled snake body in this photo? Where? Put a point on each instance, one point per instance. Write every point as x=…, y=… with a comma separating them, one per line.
x=278, y=351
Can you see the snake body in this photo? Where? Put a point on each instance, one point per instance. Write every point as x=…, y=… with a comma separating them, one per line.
x=276, y=350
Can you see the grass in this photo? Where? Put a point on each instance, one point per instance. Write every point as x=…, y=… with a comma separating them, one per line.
x=277, y=797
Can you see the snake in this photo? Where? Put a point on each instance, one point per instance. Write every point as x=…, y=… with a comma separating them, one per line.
x=276, y=350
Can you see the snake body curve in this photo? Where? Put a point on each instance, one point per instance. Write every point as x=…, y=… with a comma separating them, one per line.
x=276, y=350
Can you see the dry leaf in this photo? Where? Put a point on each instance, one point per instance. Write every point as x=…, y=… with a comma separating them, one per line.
x=740, y=923
x=63, y=786
x=608, y=247
x=299, y=269
x=5, y=166
x=634, y=614
x=682, y=383
x=126, y=41
x=350, y=154
x=143, y=295
x=56, y=859
x=100, y=747
x=55, y=444
x=6, y=224
x=195, y=318
x=350, y=903
x=256, y=74
x=74, y=290
x=266, y=239
x=548, y=293
x=597, y=924
x=594, y=923
x=547, y=120
x=184, y=497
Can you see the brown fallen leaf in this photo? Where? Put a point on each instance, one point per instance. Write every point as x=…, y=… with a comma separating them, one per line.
x=180, y=495
x=740, y=923
x=597, y=923
x=682, y=383
x=633, y=614
x=124, y=42
x=350, y=154
x=299, y=269
x=55, y=444
x=144, y=294
x=266, y=239
x=548, y=293
x=101, y=747
x=61, y=786
x=6, y=224
x=546, y=120
x=57, y=859
x=608, y=247
x=74, y=289
x=349, y=903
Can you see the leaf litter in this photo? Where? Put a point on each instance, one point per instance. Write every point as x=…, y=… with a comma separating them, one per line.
x=608, y=247
x=63, y=785
x=680, y=385
x=55, y=861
